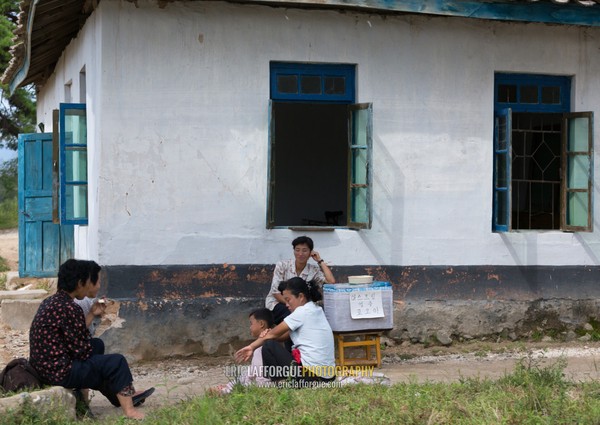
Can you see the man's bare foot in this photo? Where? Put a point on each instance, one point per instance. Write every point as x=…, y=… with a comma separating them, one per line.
x=216, y=390
x=128, y=410
x=135, y=414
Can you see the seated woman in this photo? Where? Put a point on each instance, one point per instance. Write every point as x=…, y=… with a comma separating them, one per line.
x=296, y=267
x=62, y=350
x=313, y=348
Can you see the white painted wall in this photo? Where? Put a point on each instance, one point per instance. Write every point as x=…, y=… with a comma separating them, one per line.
x=178, y=103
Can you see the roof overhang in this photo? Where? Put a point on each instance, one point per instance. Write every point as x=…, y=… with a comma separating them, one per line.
x=46, y=27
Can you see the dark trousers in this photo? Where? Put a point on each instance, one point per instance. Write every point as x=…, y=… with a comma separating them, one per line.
x=107, y=373
x=274, y=354
x=280, y=312
x=97, y=346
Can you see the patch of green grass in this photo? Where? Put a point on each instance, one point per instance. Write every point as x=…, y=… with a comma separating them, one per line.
x=537, y=336
x=30, y=415
x=45, y=285
x=3, y=265
x=595, y=333
x=9, y=214
x=534, y=393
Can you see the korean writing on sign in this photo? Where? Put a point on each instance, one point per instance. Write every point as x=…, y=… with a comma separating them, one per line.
x=366, y=305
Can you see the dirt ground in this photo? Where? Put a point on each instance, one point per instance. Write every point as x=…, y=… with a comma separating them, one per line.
x=9, y=247
x=183, y=378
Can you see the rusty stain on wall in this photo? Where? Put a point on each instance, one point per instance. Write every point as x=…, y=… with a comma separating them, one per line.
x=185, y=282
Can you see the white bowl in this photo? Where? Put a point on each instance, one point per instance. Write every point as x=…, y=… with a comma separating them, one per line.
x=360, y=279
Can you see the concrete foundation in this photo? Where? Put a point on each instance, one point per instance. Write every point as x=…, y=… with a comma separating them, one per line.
x=29, y=294
x=184, y=310
x=18, y=314
x=44, y=400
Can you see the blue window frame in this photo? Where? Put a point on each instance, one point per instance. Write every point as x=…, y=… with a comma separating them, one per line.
x=502, y=133
x=542, y=156
x=73, y=195
x=310, y=82
x=320, y=156
x=532, y=93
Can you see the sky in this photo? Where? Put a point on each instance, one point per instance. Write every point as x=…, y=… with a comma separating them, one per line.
x=6, y=154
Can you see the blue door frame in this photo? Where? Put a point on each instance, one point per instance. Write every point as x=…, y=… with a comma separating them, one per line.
x=43, y=245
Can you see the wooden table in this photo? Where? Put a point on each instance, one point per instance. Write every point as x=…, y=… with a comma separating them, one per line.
x=363, y=339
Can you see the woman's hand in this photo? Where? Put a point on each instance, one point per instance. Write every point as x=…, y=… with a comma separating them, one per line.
x=98, y=308
x=244, y=354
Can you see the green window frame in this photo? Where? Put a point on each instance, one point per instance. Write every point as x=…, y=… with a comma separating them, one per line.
x=73, y=177
x=576, y=214
x=360, y=139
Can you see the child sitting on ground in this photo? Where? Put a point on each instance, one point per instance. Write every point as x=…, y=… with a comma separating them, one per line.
x=261, y=322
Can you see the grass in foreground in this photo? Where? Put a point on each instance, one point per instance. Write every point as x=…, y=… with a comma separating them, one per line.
x=3, y=265
x=531, y=394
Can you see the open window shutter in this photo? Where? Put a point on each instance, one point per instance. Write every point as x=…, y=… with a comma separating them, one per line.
x=502, y=172
x=576, y=214
x=271, y=176
x=360, y=127
x=55, y=170
x=73, y=163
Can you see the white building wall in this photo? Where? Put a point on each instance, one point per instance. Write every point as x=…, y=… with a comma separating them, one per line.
x=178, y=98
x=65, y=86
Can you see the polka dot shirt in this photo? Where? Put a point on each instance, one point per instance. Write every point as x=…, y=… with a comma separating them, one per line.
x=57, y=337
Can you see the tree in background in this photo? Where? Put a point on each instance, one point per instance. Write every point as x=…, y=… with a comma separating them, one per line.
x=17, y=115
x=8, y=180
x=17, y=111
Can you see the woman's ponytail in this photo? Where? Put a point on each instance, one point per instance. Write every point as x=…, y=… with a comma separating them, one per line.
x=314, y=291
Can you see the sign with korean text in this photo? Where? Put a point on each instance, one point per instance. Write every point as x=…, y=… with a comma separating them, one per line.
x=366, y=304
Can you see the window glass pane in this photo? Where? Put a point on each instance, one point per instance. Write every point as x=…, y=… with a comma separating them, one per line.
x=501, y=203
x=310, y=84
x=529, y=94
x=76, y=201
x=359, y=166
x=335, y=85
x=577, y=211
x=360, y=211
x=507, y=93
x=75, y=127
x=287, y=83
x=578, y=171
x=551, y=95
x=359, y=127
x=75, y=164
x=578, y=135
x=359, y=194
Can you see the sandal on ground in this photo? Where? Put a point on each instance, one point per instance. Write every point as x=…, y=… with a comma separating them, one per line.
x=141, y=397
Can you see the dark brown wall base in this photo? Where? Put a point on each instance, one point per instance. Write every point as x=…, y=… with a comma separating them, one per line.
x=184, y=310
x=409, y=282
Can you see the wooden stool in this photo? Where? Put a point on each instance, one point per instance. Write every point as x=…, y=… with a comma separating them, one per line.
x=366, y=340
